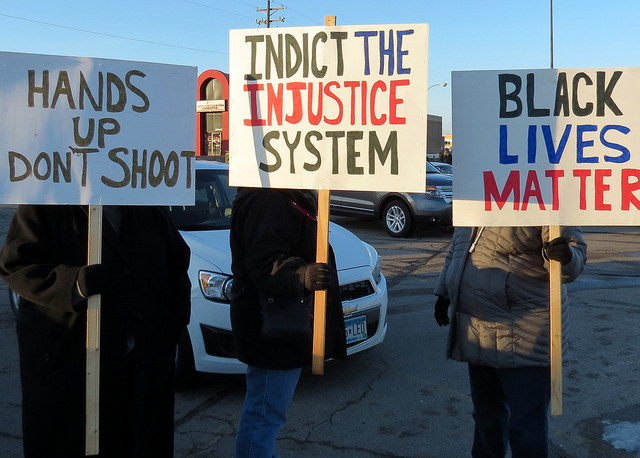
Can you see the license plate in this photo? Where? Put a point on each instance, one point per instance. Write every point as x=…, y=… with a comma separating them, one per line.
x=355, y=329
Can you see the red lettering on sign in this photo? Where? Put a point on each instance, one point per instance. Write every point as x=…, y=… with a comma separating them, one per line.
x=628, y=188
x=375, y=120
x=394, y=101
x=532, y=189
x=296, y=92
x=491, y=190
x=554, y=175
x=327, y=91
x=274, y=104
x=582, y=174
x=601, y=188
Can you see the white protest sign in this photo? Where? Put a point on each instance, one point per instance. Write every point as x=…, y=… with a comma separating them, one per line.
x=329, y=107
x=546, y=147
x=95, y=131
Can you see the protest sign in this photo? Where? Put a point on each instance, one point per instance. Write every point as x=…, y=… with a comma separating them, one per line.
x=546, y=147
x=339, y=107
x=329, y=108
x=95, y=131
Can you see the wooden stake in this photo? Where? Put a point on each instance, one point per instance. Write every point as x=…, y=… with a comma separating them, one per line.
x=319, y=310
x=555, y=328
x=92, y=442
x=555, y=303
x=322, y=255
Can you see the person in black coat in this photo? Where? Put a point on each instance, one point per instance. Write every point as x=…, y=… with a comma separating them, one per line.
x=145, y=305
x=273, y=248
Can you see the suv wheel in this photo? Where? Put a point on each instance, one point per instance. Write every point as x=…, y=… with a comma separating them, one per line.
x=398, y=220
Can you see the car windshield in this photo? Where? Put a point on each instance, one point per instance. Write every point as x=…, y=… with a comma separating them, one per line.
x=212, y=209
x=445, y=168
x=432, y=168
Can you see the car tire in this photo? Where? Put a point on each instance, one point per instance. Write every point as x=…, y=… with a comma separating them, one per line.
x=185, y=371
x=397, y=218
x=14, y=301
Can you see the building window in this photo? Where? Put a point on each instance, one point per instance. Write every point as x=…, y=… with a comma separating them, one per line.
x=213, y=90
x=213, y=121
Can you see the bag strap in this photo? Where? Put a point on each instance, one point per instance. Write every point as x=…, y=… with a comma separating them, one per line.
x=303, y=210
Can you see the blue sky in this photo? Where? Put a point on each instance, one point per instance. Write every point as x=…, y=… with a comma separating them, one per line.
x=464, y=34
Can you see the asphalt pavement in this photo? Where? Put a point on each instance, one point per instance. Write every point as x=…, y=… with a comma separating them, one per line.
x=402, y=398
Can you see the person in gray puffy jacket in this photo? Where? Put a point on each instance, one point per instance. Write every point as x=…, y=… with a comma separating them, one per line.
x=496, y=281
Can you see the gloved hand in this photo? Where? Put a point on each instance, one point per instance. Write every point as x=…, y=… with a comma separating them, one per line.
x=92, y=280
x=559, y=250
x=442, y=311
x=317, y=276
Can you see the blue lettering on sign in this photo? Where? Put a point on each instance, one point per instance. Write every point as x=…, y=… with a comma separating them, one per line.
x=390, y=49
x=586, y=148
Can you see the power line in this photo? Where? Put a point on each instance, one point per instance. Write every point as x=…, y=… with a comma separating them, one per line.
x=111, y=35
x=313, y=21
x=217, y=9
x=242, y=3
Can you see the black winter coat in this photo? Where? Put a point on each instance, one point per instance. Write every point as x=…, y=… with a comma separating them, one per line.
x=147, y=299
x=273, y=234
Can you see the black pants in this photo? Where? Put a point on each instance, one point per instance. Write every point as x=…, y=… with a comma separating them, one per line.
x=510, y=408
x=136, y=411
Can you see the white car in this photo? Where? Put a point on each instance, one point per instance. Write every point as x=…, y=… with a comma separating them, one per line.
x=208, y=346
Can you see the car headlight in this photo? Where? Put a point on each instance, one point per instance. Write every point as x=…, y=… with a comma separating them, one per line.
x=377, y=269
x=376, y=266
x=433, y=191
x=215, y=286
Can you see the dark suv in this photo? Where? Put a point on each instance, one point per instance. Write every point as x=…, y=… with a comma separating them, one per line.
x=401, y=210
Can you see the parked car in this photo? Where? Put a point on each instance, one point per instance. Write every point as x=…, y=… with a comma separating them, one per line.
x=444, y=167
x=400, y=211
x=208, y=345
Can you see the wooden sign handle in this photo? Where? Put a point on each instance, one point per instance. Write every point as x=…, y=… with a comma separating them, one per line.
x=319, y=310
x=322, y=255
x=92, y=438
x=555, y=328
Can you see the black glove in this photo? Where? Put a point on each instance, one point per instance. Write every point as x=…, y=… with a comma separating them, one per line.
x=92, y=280
x=559, y=250
x=317, y=276
x=442, y=311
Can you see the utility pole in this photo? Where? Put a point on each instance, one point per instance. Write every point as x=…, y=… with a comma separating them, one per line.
x=268, y=10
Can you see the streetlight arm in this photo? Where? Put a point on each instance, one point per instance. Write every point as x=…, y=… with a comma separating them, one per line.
x=437, y=84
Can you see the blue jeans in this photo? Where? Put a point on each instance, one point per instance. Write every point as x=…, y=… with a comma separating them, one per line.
x=510, y=408
x=269, y=392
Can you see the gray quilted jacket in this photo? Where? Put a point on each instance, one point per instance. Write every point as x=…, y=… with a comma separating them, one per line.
x=497, y=281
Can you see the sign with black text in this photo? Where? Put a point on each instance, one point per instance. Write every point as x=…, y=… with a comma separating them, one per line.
x=95, y=131
x=329, y=107
x=546, y=147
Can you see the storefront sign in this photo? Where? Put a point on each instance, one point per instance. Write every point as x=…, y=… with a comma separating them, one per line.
x=211, y=106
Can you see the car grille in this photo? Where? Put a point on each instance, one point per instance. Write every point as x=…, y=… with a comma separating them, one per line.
x=356, y=290
x=447, y=193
